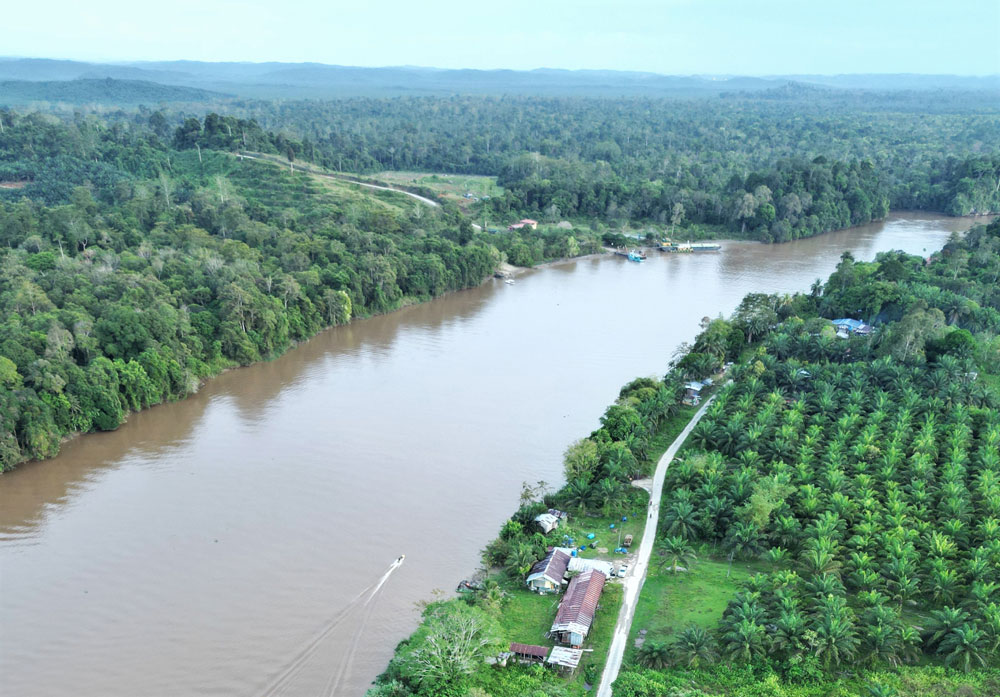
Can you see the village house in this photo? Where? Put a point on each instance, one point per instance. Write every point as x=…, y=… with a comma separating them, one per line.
x=527, y=222
x=547, y=575
x=550, y=520
x=692, y=393
x=547, y=522
x=576, y=611
x=846, y=327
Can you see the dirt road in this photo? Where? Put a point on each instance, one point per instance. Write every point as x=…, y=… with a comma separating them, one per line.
x=637, y=574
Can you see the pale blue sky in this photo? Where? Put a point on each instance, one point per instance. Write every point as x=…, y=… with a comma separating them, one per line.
x=748, y=37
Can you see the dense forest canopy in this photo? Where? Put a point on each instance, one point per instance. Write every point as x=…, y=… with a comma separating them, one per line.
x=827, y=159
x=138, y=237
x=130, y=271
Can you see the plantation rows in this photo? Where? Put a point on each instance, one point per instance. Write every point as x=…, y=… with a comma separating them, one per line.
x=873, y=487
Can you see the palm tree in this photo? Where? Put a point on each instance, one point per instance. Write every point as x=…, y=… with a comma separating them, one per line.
x=964, y=646
x=836, y=638
x=694, y=647
x=943, y=622
x=676, y=554
x=745, y=641
x=577, y=494
x=654, y=654
x=679, y=519
x=790, y=638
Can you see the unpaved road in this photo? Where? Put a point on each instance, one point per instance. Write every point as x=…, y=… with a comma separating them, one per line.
x=637, y=574
x=346, y=178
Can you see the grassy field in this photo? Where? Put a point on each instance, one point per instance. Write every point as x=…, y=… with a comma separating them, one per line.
x=671, y=601
x=449, y=187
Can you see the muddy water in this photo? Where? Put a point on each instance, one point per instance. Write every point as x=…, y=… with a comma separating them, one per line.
x=199, y=548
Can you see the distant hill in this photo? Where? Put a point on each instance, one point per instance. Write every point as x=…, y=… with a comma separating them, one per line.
x=100, y=91
x=317, y=80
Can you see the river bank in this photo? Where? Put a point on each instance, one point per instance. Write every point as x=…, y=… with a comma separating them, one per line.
x=342, y=436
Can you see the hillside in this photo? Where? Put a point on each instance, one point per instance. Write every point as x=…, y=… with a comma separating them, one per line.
x=107, y=91
x=316, y=80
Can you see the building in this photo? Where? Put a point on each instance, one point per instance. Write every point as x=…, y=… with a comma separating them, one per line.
x=846, y=327
x=692, y=393
x=529, y=652
x=520, y=224
x=576, y=611
x=550, y=520
x=547, y=522
x=547, y=575
x=579, y=564
x=564, y=658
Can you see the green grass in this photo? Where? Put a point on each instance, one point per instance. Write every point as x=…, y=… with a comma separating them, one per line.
x=527, y=616
x=669, y=602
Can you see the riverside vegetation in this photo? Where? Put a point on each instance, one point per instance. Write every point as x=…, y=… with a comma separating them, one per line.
x=852, y=482
x=136, y=261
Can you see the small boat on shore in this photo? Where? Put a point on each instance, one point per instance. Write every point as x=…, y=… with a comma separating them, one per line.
x=636, y=255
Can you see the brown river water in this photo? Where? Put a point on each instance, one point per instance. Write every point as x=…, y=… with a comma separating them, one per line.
x=198, y=549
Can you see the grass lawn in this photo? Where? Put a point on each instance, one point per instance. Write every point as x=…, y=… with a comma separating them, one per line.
x=669, y=602
x=527, y=616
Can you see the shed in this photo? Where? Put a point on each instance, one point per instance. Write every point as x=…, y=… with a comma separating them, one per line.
x=528, y=222
x=529, y=652
x=576, y=611
x=692, y=392
x=547, y=522
x=546, y=576
x=580, y=564
x=561, y=515
x=565, y=658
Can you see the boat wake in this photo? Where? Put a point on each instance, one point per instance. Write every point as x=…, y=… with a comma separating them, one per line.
x=363, y=600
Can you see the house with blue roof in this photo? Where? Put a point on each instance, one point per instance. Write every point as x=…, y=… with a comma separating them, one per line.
x=845, y=327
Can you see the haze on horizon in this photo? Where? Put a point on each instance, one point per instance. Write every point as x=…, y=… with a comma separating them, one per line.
x=768, y=37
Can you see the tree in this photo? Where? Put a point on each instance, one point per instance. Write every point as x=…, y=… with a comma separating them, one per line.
x=694, y=647
x=453, y=643
x=964, y=647
x=676, y=554
x=654, y=654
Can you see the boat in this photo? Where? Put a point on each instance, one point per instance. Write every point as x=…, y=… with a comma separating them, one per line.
x=688, y=247
x=509, y=281
x=636, y=255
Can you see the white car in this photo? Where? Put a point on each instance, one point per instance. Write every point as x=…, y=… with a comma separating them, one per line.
x=621, y=571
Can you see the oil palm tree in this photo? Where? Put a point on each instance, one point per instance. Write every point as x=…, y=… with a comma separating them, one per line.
x=694, y=647
x=964, y=647
x=654, y=654
x=676, y=554
x=745, y=641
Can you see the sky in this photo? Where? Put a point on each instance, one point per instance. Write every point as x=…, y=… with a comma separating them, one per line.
x=680, y=37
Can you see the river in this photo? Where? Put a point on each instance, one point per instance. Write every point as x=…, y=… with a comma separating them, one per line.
x=197, y=549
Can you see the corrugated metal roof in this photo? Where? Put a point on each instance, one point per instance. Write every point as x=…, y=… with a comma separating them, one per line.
x=530, y=650
x=576, y=611
x=553, y=566
x=565, y=656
